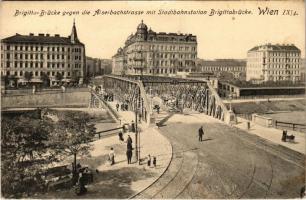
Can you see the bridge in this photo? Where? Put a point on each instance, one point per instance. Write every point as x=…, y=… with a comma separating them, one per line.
x=182, y=93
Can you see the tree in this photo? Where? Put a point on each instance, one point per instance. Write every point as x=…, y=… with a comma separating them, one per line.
x=59, y=77
x=72, y=135
x=75, y=78
x=28, y=76
x=45, y=79
x=24, y=150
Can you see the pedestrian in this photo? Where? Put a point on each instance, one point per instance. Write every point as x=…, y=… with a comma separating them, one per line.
x=201, y=133
x=129, y=155
x=120, y=136
x=133, y=127
x=284, y=136
x=111, y=156
x=154, y=161
x=302, y=192
x=81, y=183
x=129, y=142
x=149, y=160
x=117, y=107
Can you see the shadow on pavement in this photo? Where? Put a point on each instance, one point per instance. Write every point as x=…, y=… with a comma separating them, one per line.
x=161, y=123
x=206, y=139
x=117, y=183
x=114, y=184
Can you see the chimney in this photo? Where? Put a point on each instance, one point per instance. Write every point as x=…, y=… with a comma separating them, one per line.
x=31, y=34
x=56, y=35
x=41, y=34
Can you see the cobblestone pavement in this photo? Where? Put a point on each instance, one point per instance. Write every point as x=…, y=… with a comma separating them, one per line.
x=229, y=163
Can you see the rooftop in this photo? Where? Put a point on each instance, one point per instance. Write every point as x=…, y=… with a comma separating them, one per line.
x=38, y=39
x=277, y=47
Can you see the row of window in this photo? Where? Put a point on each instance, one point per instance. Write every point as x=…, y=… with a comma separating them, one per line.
x=276, y=66
x=284, y=60
x=36, y=73
x=281, y=78
x=270, y=54
x=168, y=55
x=283, y=72
x=283, y=54
x=280, y=60
x=39, y=65
x=165, y=48
x=165, y=56
x=223, y=68
x=161, y=71
x=39, y=56
x=40, y=48
x=171, y=63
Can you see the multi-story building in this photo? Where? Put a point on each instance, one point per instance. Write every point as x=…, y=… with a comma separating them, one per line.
x=218, y=66
x=43, y=55
x=273, y=63
x=94, y=67
x=149, y=52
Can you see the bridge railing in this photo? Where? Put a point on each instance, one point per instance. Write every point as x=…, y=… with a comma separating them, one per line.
x=226, y=114
x=111, y=112
x=146, y=106
x=228, y=117
x=214, y=106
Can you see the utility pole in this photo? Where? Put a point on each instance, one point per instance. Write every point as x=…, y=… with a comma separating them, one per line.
x=136, y=133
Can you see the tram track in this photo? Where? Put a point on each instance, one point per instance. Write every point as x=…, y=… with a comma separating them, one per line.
x=177, y=187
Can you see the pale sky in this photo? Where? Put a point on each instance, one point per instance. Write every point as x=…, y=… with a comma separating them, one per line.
x=217, y=36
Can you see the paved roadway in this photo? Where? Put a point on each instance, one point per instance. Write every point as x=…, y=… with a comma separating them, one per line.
x=229, y=163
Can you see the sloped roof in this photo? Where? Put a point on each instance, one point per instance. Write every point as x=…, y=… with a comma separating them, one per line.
x=277, y=47
x=40, y=39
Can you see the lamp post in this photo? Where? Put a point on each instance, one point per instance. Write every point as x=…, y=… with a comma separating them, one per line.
x=230, y=100
x=136, y=133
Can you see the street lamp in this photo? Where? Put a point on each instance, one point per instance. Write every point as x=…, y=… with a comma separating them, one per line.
x=230, y=100
x=137, y=136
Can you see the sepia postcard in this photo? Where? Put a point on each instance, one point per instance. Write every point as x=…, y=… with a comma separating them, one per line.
x=153, y=99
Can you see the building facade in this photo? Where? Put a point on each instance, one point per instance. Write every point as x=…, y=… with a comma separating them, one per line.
x=234, y=66
x=273, y=63
x=149, y=52
x=94, y=67
x=43, y=55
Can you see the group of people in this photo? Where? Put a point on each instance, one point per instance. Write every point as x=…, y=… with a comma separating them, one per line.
x=108, y=97
x=123, y=107
x=129, y=151
x=286, y=137
x=84, y=176
x=149, y=160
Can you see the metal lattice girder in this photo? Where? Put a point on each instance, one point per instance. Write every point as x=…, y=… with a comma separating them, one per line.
x=184, y=93
x=128, y=91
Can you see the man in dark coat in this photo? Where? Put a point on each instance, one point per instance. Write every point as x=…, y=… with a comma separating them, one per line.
x=133, y=127
x=201, y=133
x=129, y=142
x=129, y=155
